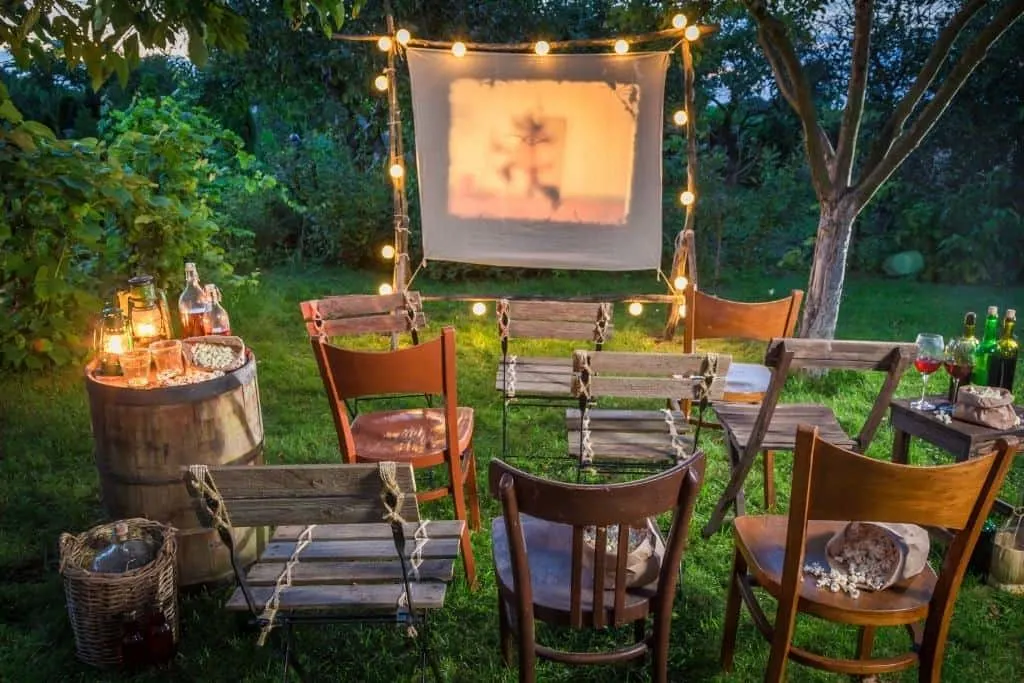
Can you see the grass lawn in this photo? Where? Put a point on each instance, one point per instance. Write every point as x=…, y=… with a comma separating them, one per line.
x=48, y=484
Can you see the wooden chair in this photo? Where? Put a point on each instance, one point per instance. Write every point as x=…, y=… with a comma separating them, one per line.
x=830, y=486
x=331, y=558
x=750, y=428
x=543, y=381
x=616, y=439
x=540, y=567
x=424, y=437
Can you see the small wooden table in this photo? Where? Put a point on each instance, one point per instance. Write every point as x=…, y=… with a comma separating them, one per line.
x=962, y=439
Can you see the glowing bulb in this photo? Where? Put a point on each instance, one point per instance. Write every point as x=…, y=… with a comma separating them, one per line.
x=680, y=117
x=459, y=49
x=621, y=47
x=687, y=198
x=542, y=47
x=396, y=171
x=679, y=21
x=403, y=36
x=381, y=83
x=681, y=310
x=384, y=43
x=384, y=289
x=479, y=308
x=680, y=282
x=692, y=32
x=636, y=308
x=387, y=251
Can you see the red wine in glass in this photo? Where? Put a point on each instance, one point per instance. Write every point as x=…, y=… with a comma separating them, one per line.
x=959, y=372
x=927, y=366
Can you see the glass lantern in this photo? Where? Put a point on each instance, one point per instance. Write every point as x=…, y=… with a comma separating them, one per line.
x=112, y=339
x=147, y=311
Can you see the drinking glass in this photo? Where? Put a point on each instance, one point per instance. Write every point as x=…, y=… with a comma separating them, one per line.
x=135, y=366
x=167, y=358
x=959, y=362
x=930, y=352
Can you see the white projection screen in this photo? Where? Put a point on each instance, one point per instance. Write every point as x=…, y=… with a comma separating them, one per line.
x=540, y=161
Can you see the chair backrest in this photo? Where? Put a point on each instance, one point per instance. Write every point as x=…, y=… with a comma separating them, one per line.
x=554, y=320
x=352, y=314
x=832, y=483
x=786, y=354
x=710, y=317
x=598, y=507
x=428, y=368
x=671, y=376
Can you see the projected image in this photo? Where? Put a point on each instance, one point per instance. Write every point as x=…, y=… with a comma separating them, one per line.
x=542, y=150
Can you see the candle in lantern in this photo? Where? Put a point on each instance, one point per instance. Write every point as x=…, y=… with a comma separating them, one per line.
x=112, y=340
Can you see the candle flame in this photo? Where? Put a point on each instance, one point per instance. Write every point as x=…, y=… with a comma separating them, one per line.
x=114, y=344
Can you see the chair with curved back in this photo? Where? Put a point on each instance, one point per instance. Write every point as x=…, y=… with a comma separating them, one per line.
x=538, y=546
x=423, y=437
x=830, y=486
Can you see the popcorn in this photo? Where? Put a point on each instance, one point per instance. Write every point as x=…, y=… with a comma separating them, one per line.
x=869, y=559
x=213, y=356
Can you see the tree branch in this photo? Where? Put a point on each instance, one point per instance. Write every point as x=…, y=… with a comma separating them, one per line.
x=893, y=128
x=854, y=110
x=789, y=71
x=781, y=78
x=908, y=141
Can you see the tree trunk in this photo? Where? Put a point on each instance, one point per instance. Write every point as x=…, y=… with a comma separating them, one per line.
x=828, y=270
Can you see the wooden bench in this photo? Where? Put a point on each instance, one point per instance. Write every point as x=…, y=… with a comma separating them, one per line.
x=355, y=314
x=331, y=557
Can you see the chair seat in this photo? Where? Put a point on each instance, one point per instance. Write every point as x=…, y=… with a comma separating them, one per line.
x=638, y=436
x=535, y=376
x=549, y=550
x=738, y=421
x=762, y=540
x=402, y=435
x=747, y=378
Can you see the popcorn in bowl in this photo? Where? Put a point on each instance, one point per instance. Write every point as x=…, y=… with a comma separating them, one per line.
x=215, y=353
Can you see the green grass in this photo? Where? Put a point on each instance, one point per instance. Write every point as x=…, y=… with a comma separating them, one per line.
x=48, y=484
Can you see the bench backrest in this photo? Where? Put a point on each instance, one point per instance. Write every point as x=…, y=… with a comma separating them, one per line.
x=353, y=314
x=554, y=320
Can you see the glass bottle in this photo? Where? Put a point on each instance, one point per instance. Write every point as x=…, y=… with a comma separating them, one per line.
x=193, y=305
x=218, y=321
x=134, y=649
x=1003, y=366
x=159, y=638
x=122, y=554
x=986, y=348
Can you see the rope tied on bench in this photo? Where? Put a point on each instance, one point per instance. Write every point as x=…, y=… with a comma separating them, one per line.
x=604, y=317
x=318, y=321
x=504, y=320
x=213, y=504
x=510, y=377
x=709, y=371
x=675, y=438
x=412, y=305
x=581, y=381
x=284, y=580
x=392, y=496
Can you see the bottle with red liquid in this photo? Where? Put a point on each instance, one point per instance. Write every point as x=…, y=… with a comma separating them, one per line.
x=159, y=638
x=217, y=320
x=193, y=305
x=134, y=649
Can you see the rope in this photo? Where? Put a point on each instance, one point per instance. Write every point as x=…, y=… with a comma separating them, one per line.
x=709, y=371
x=582, y=361
x=586, y=447
x=284, y=580
x=391, y=496
x=411, y=308
x=676, y=438
x=203, y=482
x=502, y=309
x=318, y=321
x=510, y=377
x=604, y=316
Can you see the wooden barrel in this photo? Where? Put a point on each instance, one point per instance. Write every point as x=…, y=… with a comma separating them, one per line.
x=143, y=437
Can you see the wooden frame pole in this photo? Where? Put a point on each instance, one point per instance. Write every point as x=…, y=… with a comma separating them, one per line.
x=396, y=155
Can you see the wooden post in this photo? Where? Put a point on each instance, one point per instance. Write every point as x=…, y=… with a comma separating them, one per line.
x=684, y=261
x=400, y=276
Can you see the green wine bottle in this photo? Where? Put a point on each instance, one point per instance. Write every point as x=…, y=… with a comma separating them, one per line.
x=1003, y=365
x=987, y=348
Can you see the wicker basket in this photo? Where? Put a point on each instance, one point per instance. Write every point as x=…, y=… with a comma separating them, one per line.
x=97, y=602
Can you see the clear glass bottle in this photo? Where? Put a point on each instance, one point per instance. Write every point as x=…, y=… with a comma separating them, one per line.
x=217, y=321
x=193, y=305
x=123, y=554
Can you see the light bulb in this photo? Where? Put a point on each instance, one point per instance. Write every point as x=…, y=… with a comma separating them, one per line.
x=396, y=171
x=403, y=36
x=681, y=310
x=680, y=283
x=542, y=47
x=680, y=117
x=384, y=289
x=679, y=21
x=479, y=308
x=387, y=251
x=636, y=308
x=459, y=49
x=692, y=32
x=687, y=198
x=621, y=47
x=381, y=83
x=384, y=43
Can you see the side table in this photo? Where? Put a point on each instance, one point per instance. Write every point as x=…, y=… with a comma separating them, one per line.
x=962, y=439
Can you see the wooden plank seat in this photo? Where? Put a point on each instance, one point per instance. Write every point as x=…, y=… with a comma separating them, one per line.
x=781, y=434
x=641, y=436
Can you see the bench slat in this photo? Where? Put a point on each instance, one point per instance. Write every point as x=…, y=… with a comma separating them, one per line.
x=357, y=550
x=377, y=531
x=382, y=597
x=308, y=573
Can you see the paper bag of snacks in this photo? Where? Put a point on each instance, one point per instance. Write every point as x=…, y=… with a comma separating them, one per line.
x=215, y=353
x=875, y=555
x=642, y=563
x=987, y=406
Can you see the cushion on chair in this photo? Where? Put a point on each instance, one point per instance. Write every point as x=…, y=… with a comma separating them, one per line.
x=403, y=434
x=747, y=378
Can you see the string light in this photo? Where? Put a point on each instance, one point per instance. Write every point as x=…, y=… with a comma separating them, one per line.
x=387, y=252
x=679, y=21
x=621, y=47
x=396, y=171
x=680, y=117
x=381, y=83
x=479, y=308
x=542, y=47
x=636, y=308
x=459, y=49
x=687, y=198
x=692, y=32
x=680, y=283
x=384, y=43
x=403, y=36
x=681, y=310
x=385, y=289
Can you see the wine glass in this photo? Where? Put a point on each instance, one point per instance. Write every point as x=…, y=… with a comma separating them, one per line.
x=930, y=351
x=959, y=362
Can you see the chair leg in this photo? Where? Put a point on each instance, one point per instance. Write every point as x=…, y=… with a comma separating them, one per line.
x=659, y=647
x=740, y=501
x=732, y=610
x=768, y=458
x=458, y=491
x=473, y=489
x=505, y=631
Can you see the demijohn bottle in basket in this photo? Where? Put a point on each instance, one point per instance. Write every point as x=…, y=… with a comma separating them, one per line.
x=193, y=305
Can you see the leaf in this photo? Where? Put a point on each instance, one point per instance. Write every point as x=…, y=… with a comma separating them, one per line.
x=38, y=129
x=8, y=112
x=23, y=140
x=197, y=51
